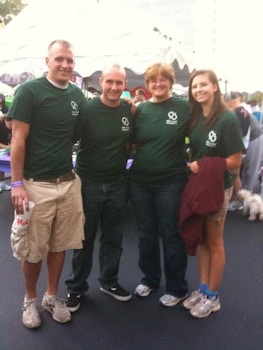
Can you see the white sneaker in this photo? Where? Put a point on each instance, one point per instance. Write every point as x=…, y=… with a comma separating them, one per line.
x=171, y=300
x=30, y=316
x=194, y=298
x=57, y=308
x=234, y=205
x=205, y=307
x=142, y=290
x=4, y=186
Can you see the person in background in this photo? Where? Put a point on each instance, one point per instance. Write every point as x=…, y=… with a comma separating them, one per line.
x=5, y=131
x=139, y=96
x=253, y=156
x=234, y=101
x=157, y=179
x=44, y=112
x=5, y=140
x=95, y=94
x=214, y=135
x=256, y=110
x=3, y=105
x=105, y=125
x=253, y=160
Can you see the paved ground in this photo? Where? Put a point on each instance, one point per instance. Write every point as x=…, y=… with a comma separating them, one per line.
x=103, y=323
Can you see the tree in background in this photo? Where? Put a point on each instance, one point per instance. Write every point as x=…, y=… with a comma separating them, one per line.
x=9, y=9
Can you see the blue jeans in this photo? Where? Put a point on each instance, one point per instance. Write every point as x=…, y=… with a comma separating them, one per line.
x=104, y=203
x=156, y=208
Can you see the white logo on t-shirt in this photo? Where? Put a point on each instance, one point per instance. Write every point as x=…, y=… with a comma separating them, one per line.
x=125, y=124
x=172, y=118
x=212, y=138
x=75, y=108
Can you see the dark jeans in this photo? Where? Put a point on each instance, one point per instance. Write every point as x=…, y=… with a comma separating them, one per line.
x=156, y=207
x=105, y=204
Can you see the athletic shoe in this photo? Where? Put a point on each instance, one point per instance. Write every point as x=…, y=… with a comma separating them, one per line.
x=30, y=316
x=57, y=308
x=73, y=301
x=205, y=307
x=142, y=290
x=239, y=206
x=171, y=300
x=4, y=187
x=234, y=205
x=194, y=298
x=117, y=292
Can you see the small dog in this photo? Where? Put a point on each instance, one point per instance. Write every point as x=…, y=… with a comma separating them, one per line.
x=252, y=204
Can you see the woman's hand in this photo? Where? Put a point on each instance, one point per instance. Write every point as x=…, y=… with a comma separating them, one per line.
x=193, y=166
x=131, y=103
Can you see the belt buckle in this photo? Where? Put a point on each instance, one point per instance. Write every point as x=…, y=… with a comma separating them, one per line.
x=60, y=179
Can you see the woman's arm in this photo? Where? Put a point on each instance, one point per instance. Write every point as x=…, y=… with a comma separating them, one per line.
x=234, y=161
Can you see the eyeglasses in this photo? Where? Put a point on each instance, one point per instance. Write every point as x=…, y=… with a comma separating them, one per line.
x=158, y=81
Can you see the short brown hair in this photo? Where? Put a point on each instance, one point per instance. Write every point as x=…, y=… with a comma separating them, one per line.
x=162, y=68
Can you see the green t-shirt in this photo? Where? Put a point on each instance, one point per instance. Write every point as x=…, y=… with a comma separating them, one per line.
x=51, y=113
x=104, y=133
x=160, y=131
x=221, y=140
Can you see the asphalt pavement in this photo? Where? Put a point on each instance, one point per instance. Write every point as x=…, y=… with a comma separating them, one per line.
x=102, y=323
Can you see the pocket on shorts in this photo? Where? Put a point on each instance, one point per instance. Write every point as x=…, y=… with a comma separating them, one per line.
x=19, y=242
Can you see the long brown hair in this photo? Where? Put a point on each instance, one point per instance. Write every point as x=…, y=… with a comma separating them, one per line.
x=218, y=105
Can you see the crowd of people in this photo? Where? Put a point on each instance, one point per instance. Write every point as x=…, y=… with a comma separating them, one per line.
x=247, y=176
x=49, y=115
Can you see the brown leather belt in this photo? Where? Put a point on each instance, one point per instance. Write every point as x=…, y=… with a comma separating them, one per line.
x=56, y=180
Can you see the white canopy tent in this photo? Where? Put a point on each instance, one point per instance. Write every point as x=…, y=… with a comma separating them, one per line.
x=100, y=33
x=6, y=89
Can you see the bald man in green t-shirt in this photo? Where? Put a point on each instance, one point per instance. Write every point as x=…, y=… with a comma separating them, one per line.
x=105, y=125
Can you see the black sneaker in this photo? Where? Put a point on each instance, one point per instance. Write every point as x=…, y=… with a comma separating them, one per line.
x=73, y=301
x=117, y=292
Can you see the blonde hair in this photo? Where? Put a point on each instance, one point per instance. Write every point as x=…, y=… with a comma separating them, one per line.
x=63, y=43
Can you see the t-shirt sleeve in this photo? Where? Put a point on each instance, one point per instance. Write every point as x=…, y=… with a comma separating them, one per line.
x=22, y=107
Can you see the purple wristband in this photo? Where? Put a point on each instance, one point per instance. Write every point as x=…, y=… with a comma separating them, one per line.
x=17, y=184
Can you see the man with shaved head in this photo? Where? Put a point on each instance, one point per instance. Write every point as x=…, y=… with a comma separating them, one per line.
x=105, y=125
x=44, y=112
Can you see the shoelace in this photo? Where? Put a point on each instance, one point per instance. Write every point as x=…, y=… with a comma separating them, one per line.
x=29, y=304
x=56, y=302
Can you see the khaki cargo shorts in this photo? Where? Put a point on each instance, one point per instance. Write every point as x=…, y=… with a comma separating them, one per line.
x=57, y=221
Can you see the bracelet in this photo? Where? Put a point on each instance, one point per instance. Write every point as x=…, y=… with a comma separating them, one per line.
x=17, y=184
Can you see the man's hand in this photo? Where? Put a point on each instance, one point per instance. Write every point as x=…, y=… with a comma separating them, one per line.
x=20, y=199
